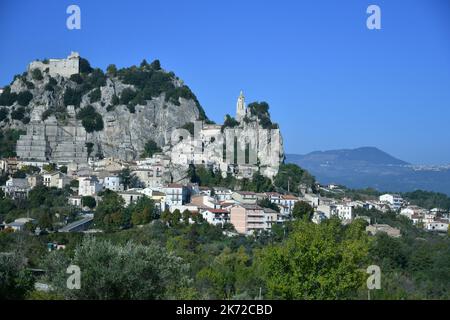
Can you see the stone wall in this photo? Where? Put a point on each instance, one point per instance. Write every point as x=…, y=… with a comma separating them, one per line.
x=62, y=67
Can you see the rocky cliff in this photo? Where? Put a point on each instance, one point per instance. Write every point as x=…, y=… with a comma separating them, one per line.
x=88, y=113
x=135, y=105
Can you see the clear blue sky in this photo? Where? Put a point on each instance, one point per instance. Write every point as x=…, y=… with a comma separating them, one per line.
x=331, y=83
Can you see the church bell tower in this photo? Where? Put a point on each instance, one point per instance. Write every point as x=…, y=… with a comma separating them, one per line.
x=240, y=107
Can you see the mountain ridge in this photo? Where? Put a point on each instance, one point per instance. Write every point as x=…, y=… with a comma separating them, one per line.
x=371, y=167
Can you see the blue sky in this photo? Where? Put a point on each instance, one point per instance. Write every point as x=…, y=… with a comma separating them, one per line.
x=331, y=83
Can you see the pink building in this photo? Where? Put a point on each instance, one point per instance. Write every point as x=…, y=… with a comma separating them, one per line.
x=248, y=218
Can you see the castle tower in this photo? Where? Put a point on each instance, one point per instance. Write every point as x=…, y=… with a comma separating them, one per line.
x=240, y=107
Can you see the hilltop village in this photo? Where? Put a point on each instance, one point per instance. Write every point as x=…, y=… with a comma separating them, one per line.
x=68, y=154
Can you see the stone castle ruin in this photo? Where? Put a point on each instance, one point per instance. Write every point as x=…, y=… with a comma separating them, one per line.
x=62, y=67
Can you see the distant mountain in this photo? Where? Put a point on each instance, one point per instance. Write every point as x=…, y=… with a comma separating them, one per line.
x=371, y=167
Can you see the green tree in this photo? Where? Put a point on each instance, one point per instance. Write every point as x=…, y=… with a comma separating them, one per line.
x=229, y=122
x=18, y=113
x=90, y=119
x=302, y=210
x=95, y=95
x=24, y=98
x=89, y=201
x=15, y=280
x=4, y=112
x=150, y=149
x=119, y=272
x=111, y=70
x=129, y=180
x=143, y=211
x=36, y=74
x=110, y=211
x=315, y=262
x=290, y=177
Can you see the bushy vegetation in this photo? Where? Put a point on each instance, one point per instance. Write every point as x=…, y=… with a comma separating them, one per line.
x=150, y=82
x=36, y=74
x=168, y=257
x=91, y=119
x=95, y=95
x=4, y=112
x=18, y=113
x=7, y=98
x=150, y=149
x=428, y=199
x=291, y=177
x=207, y=177
x=8, y=140
x=24, y=98
x=229, y=122
x=261, y=111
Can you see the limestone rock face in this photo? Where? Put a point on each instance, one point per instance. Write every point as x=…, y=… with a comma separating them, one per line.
x=158, y=104
x=125, y=131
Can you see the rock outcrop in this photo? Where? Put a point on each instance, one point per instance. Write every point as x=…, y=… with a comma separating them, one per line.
x=71, y=116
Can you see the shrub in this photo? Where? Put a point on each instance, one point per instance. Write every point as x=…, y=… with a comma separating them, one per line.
x=150, y=149
x=89, y=201
x=76, y=78
x=229, y=122
x=24, y=98
x=85, y=66
x=36, y=74
x=7, y=98
x=49, y=87
x=127, y=95
x=29, y=85
x=111, y=70
x=95, y=95
x=156, y=65
x=97, y=78
x=115, y=100
x=72, y=97
x=91, y=119
x=131, y=108
x=3, y=114
x=18, y=113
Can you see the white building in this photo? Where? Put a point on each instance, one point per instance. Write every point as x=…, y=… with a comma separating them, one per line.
x=288, y=202
x=411, y=211
x=17, y=188
x=216, y=216
x=112, y=183
x=394, y=200
x=131, y=196
x=222, y=194
x=342, y=211
x=176, y=194
x=312, y=199
x=439, y=226
x=55, y=180
x=89, y=186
